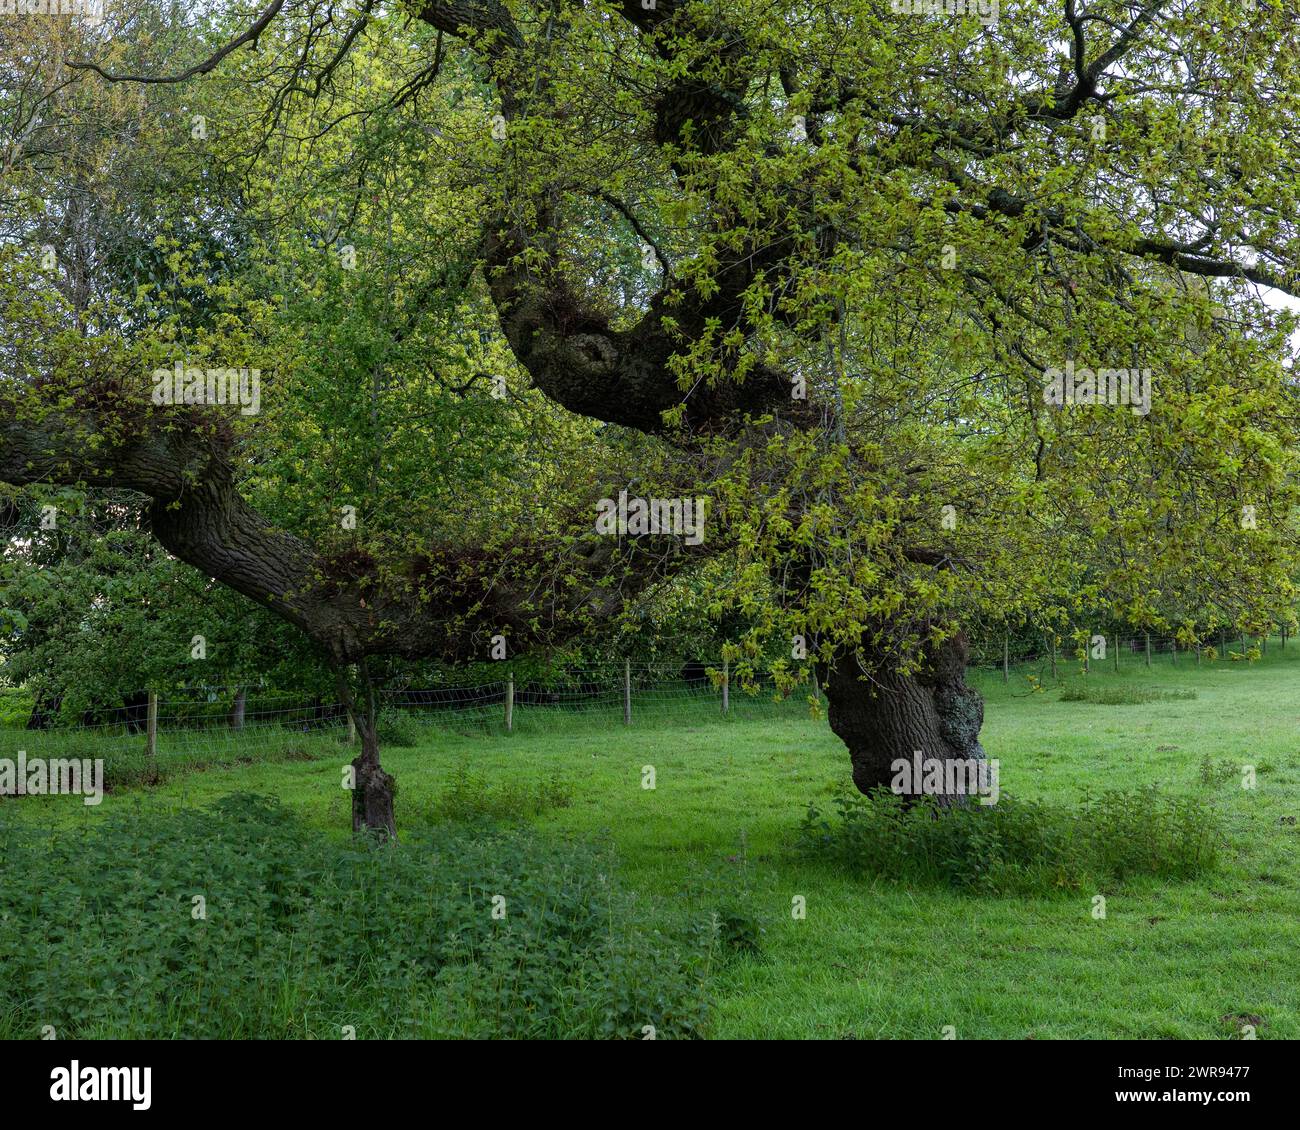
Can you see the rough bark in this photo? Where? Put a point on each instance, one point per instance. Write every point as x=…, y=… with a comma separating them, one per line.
x=445, y=603
x=373, y=790
x=885, y=717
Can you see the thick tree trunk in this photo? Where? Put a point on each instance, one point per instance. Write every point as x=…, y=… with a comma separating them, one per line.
x=886, y=719
x=373, y=789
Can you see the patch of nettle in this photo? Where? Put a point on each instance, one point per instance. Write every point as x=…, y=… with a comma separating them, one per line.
x=1017, y=846
x=460, y=933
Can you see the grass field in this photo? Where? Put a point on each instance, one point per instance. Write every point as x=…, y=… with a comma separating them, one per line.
x=875, y=958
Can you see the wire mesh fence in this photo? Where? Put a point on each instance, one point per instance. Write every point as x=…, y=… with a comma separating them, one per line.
x=1117, y=651
x=235, y=724
x=201, y=725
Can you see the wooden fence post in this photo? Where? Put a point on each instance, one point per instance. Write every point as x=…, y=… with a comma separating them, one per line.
x=1006, y=660
x=510, y=703
x=726, y=686
x=1148, y=636
x=1117, y=653
x=627, y=692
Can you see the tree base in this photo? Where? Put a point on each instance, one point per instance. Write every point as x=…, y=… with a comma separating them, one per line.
x=887, y=719
x=372, y=798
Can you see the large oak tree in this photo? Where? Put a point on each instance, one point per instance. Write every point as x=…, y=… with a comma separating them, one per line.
x=869, y=238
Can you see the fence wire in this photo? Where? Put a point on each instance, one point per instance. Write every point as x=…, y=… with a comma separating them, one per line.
x=200, y=725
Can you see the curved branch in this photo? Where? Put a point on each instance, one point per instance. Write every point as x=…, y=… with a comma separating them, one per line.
x=252, y=35
x=446, y=602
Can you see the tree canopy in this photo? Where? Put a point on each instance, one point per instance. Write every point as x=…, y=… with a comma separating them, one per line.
x=951, y=320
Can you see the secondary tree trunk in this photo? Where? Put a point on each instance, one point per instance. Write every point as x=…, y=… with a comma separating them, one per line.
x=373, y=789
x=886, y=719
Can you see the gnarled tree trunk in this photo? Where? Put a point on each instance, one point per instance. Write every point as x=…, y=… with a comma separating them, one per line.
x=886, y=719
x=373, y=789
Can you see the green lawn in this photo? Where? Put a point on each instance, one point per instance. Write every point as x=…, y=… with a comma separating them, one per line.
x=872, y=958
